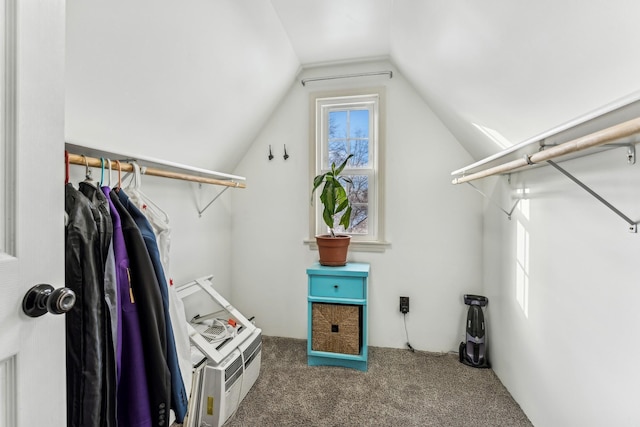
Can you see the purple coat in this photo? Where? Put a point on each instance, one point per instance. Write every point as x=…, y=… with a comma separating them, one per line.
x=145, y=293
x=133, y=406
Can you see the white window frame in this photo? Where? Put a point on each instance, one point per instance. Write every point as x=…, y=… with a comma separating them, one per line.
x=320, y=105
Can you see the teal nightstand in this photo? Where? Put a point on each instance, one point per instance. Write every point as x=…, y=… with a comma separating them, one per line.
x=337, y=315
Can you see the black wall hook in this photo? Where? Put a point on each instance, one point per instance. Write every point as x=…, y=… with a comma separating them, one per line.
x=270, y=153
x=286, y=156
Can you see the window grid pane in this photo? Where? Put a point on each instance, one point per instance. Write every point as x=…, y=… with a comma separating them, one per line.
x=348, y=133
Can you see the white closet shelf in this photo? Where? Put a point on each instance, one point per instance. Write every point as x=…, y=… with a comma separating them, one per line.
x=157, y=167
x=621, y=110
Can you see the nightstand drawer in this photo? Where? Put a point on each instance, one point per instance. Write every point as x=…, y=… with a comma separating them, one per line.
x=337, y=287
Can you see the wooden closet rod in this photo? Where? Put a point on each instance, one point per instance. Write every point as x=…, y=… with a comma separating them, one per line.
x=595, y=139
x=81, y=160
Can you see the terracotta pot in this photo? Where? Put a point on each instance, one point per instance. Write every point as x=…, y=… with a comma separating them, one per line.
x=333, y=250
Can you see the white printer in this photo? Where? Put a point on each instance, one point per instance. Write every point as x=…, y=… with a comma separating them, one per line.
x=226, y=354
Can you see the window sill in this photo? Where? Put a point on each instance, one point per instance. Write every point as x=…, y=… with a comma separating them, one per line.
x=356, y=246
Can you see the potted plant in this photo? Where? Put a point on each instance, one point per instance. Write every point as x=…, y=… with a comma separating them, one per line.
x=333, y=247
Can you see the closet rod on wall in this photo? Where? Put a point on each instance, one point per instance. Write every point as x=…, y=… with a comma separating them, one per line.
x=347, y=76
x=82, y=160
x=595, y=139
x=619, y=106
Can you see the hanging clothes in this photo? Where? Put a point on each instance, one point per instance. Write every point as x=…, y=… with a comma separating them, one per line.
x=86, y=331
x=179, y=398
x=133, y=407
x=146, y=295
x=102, y=217
x=159, y=221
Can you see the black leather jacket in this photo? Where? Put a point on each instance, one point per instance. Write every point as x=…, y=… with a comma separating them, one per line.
x=90, y=383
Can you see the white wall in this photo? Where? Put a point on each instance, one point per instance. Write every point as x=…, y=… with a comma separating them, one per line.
x=189, y=82
x=571, y=359
x=434, y=228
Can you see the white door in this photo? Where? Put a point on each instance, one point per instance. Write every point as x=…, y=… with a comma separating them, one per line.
x=32, y=350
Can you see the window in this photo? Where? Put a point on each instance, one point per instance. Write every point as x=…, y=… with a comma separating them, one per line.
x=345, y=125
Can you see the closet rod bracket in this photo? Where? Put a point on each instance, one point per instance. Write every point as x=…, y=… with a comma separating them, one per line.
x=201, y=211
x=631, y=154
x=508, y=213
x=631, y=150
x=633, y=227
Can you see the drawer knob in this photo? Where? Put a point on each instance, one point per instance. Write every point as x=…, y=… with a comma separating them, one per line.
x=335, y=286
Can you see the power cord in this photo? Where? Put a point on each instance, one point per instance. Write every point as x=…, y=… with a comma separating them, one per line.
x=407, y=333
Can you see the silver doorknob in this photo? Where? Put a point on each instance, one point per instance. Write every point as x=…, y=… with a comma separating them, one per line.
x=43, y=298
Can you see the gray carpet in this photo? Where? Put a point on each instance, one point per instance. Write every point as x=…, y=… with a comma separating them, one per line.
x=400, y=388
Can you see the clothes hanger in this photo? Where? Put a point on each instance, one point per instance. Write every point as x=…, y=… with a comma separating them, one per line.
x=88, y=177
x=147, y=203
x=119, y=176
x=87, y=171
x=66, y=167
x=110, y=171
x=101, y=170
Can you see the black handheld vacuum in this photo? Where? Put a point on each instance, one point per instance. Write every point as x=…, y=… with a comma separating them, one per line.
x=473, y=352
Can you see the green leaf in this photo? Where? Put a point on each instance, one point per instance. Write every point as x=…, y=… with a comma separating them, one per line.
x=342, y=206
x=341, y=199
x=328, y=218
x=346, y=218
x=342, y=166
x=317, y=181
x=327, y=197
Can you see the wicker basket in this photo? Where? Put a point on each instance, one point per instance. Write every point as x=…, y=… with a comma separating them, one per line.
x=336, y=328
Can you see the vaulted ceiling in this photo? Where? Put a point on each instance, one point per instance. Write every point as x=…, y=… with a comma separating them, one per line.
x=497, y=72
